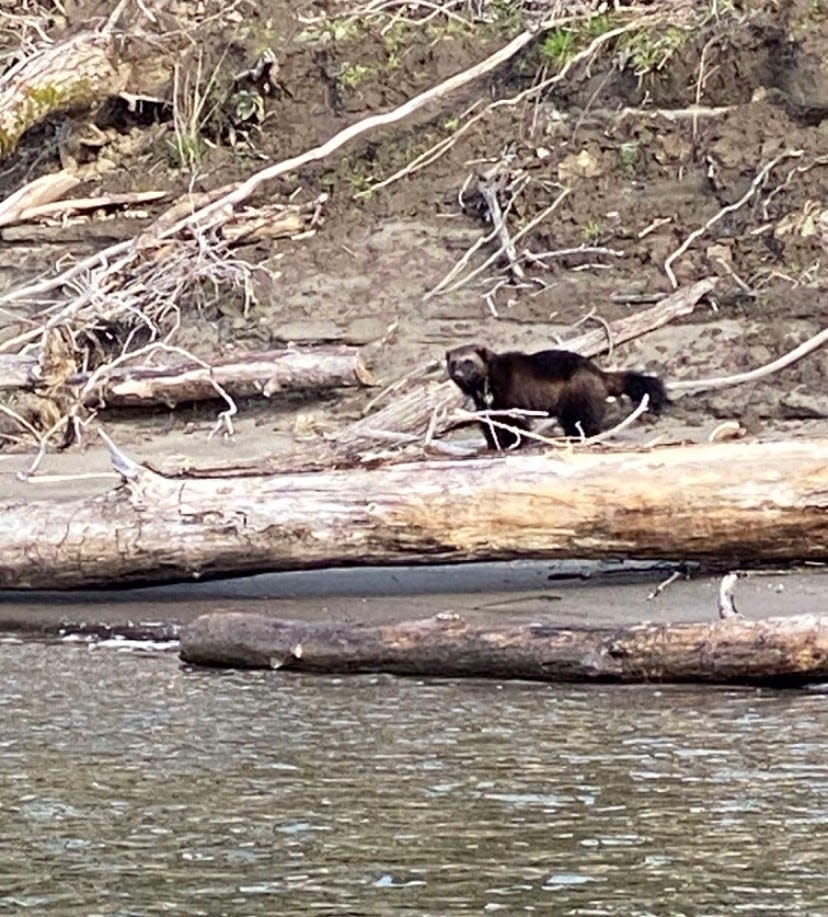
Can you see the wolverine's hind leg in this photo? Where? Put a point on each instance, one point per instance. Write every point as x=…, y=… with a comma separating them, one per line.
x=581, y=408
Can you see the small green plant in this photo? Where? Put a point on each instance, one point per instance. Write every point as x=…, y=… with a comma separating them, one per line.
x=351, y=75
x=591, y=232
x=649, y=50
x=628, y=155
x=358, y=177
x=330, y=31
x=197, y=104
x=451, y=124
x=557, y=47
x=596, y=26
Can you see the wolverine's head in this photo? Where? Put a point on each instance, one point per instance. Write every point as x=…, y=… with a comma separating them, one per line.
x=468, y=367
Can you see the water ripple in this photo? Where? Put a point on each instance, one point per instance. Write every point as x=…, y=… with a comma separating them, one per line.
x=131, y=786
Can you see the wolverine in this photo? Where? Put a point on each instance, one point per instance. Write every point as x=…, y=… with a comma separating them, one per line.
x=560, y=383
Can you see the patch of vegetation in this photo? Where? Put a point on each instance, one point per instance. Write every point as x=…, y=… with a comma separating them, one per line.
x=629, y=155
x=351, y=75
x=591, y=232
x=207, y=109
x=561, y=45
x=649, y=50
x=187, y=150
x=331, y=31
x=506, y=20
x=557, y=47
x=196, y=103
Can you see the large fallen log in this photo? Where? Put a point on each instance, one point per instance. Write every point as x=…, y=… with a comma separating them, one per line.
x=258, y=373
x=262, y=372
x=772, y=651
x=721, y=504
x=79, y=72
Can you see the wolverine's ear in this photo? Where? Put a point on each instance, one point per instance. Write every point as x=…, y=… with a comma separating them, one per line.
x=484, y=353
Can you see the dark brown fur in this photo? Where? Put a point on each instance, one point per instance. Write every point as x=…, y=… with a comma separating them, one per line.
x=560, y=383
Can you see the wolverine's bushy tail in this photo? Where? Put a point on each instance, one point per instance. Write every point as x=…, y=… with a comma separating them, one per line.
x=636, y=386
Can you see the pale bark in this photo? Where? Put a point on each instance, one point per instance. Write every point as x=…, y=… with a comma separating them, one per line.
x=40, y=192
x=260, y=373
x=79, y=72
x=771, y=651
x=254, y=373
x=17, y=371
x=721, y=504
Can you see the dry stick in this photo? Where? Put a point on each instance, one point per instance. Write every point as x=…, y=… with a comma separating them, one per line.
x=488, y=417
x=215, y=210
x=676, y=574
x=628, y=421
x=726, y=604
x=87, y=203
x=43, y=190
x=436, y=151
x=792, y=356
x=797, y=170
x=489, y=193
x=495, y=255
x=467, y=255
x=761, y=176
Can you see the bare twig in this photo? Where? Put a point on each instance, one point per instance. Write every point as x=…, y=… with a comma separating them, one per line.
x=676, y=574
x=538, y=218
x=726, y=603
x=813, y=343
x=489, y=194
x=628, y=421
x=754, y=185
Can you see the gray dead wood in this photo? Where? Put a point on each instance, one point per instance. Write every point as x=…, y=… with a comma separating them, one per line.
x=772, y=651
x=728, y=505
x=73, y=74
x=258, y=373
x=246, y=374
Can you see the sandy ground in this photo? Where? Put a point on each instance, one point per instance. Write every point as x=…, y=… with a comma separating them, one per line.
x=566, y=593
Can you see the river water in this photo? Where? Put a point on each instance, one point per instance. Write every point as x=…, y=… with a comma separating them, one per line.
x=132, y=786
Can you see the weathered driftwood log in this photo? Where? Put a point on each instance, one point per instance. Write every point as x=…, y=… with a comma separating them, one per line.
x=75, y=73
x=261, y=373
x=773, y=651
x=722, y=504
x=254, y=373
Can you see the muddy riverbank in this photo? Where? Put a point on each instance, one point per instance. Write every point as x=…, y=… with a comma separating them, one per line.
x=565, y=593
